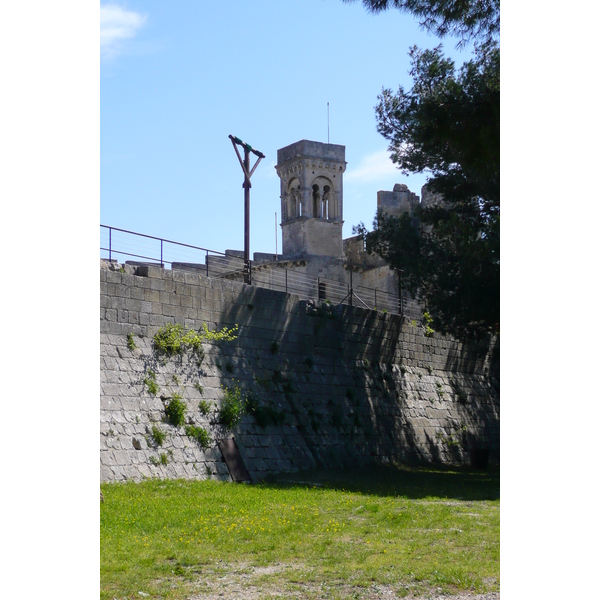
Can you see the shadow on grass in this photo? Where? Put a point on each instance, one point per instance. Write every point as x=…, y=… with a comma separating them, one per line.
x=459, y=483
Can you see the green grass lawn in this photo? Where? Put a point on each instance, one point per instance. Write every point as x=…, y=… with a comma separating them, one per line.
x=329, y=533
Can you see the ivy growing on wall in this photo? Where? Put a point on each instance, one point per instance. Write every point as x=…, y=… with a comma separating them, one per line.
x=173, y=338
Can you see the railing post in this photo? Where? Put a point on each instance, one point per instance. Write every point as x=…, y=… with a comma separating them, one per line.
x=161, y=253
x=401, y=299
x=110, y=244
x=351, y=293
x=206, y=261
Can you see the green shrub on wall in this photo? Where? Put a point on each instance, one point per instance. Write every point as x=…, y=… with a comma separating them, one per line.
x=204, y=407
x=175, y=411
x=264, y=415
x=199, y=434
x=232, y=407
x=158, y=435
x=150, y=381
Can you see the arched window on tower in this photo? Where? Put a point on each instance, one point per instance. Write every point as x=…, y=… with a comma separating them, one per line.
x=293, y=204
x=323, y=198
x=316, y=195
x=327, y=202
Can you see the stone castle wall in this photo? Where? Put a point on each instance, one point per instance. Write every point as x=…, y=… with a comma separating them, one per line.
x=339, y=385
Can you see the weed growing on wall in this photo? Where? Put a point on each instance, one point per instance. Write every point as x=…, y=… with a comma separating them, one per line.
x=427, y=321
x=158, y=435
x=199, y=434
x=163, y=458
x=150, y=381
x=131, y=342
x=264, y=415
x=232, y=407
x=175, y=411
x=204, y=407
x=224, y=335
x=174, y=339
x=452, y=440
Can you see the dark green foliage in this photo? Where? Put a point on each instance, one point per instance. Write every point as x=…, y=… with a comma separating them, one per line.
x=264, y=415
x=468, y=19
x=274, y=348
x=175, y=410
x=448, y=124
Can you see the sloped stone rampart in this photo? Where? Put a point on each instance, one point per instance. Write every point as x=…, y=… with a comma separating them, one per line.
x=336, y=385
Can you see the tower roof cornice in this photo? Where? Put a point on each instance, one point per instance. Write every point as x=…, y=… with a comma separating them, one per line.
x=309, y=150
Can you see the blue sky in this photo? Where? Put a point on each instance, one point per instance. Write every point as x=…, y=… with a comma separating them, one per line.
x=178, y=78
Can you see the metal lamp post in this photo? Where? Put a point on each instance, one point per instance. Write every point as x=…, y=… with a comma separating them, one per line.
x=245, y=164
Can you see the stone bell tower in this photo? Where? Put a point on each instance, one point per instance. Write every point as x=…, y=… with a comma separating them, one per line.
x=312, y=205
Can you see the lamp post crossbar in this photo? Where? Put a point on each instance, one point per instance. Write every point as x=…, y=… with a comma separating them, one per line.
x=245, y=164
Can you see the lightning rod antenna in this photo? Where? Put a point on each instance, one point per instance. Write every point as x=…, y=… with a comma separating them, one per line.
x=328, y=122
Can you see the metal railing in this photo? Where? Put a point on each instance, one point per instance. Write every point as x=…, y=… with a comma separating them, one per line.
x=121, y=245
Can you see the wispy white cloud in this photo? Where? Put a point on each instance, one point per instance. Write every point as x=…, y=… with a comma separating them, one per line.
x=116, y=26
x=372, y=167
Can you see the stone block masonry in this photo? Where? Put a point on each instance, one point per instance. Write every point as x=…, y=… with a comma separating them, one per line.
x=327, y=385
